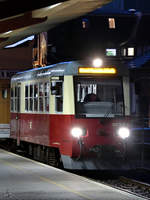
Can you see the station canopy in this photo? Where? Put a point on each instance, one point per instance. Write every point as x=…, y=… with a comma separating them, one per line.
x=20, y=19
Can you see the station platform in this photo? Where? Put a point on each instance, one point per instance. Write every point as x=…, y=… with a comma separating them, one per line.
x=25, y=179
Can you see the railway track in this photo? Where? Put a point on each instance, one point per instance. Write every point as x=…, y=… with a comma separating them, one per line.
x=130, y=185
x=122, y=182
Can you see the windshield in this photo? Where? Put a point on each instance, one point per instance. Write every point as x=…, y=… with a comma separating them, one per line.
x=98, y=97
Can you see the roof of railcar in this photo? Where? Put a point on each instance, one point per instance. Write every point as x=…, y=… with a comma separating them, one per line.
x=59, y=69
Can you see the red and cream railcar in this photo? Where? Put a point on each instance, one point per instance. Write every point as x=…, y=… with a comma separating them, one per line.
x=55, y=118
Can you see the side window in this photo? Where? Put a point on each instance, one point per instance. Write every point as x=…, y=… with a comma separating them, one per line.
x=26, y=98
x=18, y=99
x=31, y=98
x=15, y=98
x=57, y=90
x=35, y=97
x=41, y=97
x=46, y=96
x=12, y=100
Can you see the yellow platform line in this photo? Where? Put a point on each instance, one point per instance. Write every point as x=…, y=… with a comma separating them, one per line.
x=64, y=187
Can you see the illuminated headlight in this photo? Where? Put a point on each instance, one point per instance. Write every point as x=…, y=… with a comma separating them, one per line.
x=97, y=62
x=77, y=132
x=123, y=132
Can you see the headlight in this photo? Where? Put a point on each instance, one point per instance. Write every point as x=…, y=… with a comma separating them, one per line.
x=97, y=62
x=123, y=132
x=77, y=132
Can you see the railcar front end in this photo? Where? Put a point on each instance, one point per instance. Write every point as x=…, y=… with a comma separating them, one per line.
x=99, y=126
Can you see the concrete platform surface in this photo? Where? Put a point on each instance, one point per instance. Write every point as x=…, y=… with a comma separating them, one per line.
x=24, y=179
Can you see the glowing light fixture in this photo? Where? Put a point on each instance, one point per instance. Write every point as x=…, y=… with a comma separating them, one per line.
x=100, y=70
x=97, y=62
x=77, y=132
x=7, y=32
x=124, y=132
x=20, y=42
x=54, y=5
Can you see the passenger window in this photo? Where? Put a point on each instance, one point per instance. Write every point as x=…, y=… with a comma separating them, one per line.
x=26, y=97
x=12, y=100
x=35, y=97
x=15, y=98
x=57, y=90
x=18, y=99
x=31, y=98
x=59, y=103
x=46, y=96
x=41, y=95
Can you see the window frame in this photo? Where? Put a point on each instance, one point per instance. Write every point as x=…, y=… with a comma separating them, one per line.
x=15, y=98
x=80, y=115
x=58, y=97
x=36, y=95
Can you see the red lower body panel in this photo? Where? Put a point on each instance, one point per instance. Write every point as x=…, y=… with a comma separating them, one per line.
x=55, y=131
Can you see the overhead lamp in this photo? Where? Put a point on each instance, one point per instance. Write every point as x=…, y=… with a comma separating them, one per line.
x=124, y=132
x=20, y=42
x=97, y=62
x=54, y=5
x=6, y=32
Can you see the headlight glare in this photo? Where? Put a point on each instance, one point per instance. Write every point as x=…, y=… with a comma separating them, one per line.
x=123, y=132
x=77, y=132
